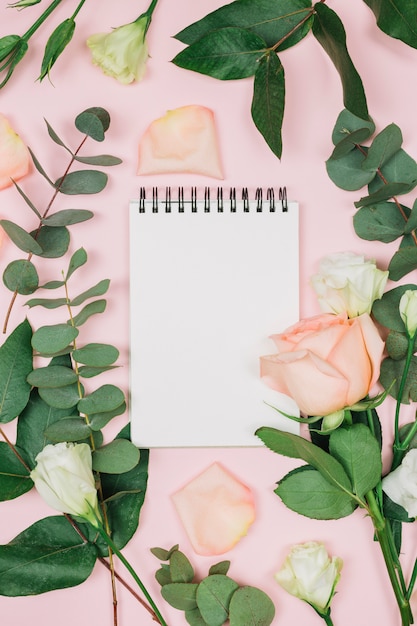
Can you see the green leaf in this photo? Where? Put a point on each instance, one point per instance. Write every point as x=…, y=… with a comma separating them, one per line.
x=53, y=284
x=15, y=365
x=93, y=122
x=87, y=371
x=194, y=617
x=308, y=493
x=346, y=172
x=96, y=290
x=98, y=306
x=181, y=596
x=82, y=182
x=358, y=451
x=78, y=259
x=67, y=217
x=213, y=598
x=252, y=607
x=297, y=447
x=20, y=237
x=227, y=54
x=99, y=420
x=68, y=429
x=49, y=340
x=105, y=398
x=382, y=221
x=52, y=376
x=163, y=575
x=396, y=345
x=61, y=397
x=396, y=18
x=180, y=568
x=53, y=135
x=21, y=276
x=404, y=260
x=56, y=44
x=220, y=568
x=391, y=372
x=27, y=200
x=401, y=168
x=384, y=193
x=349, y=142
x=269, y=100
x=53, y=241
x=347, y=123
x=330, y=33
x=411, y=223
x=14, y=477
x=96, y=354
x=271, y=20
x=117, y=457
x=40, y=168
x=48, y=555
x=47, y=303
x=383, y=147
x=386, y=310
x=103, y=160
x=162, y=554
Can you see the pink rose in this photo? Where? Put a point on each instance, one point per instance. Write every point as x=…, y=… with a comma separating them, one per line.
x=325, y=363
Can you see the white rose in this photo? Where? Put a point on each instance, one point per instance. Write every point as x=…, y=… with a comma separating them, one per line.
x=309, y=574
x=401, y=484
x=63, y=477
x=408, y=311
x=348, y=282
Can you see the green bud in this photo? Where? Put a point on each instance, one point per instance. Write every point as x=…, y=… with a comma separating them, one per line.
x=56, y=44
x=332, y=421
x=12, y=50
x=23, y=3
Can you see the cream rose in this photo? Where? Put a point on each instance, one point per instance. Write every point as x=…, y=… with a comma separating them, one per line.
x=325, y=363
x=348, y=282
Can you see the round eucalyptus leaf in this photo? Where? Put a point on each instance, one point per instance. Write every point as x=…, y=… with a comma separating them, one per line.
x=382, y=222
x=68, y=217
x=68, y=429
x=52, y=376
x=181, y=596
x=347, y=123
x=61, y=397
x=82, y=182
x=213, y=598
x=105, y=398
x=346, y=172
x=53, y=241
x=20, y=237
x=21, y=276
x=96, y=354
x=93, y=122
x=104, y=160
x=117, y=457
x=52, y=339
x=252, y=607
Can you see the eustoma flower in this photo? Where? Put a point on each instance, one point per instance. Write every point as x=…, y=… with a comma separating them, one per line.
x=401, y=484
x=348, y=282
x=325, y=363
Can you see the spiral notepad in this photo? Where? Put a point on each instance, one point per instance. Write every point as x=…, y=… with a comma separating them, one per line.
x=211, y=278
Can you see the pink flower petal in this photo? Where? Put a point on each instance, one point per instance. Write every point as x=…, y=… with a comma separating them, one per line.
x=216, y=510
x=182, y=141
x=14, y=155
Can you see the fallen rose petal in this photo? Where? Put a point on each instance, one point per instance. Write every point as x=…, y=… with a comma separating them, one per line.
x=14, y=155
x=182, y=141
x=216, y=510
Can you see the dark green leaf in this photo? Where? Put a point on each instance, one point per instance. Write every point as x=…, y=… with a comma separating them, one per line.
x=47, y=303
x=67, y=217
x=53, y=241
x=15, y=365
x=213, y=598
x=21, y=276
x=384, y=193
x=62, y=397
x=349, y=142
x=382, y=221
x=56, y=44
x=383, y=147
x=306, y=492
x=181, y=596
x=68, y=429
x=96, y=354
x=48, y=555
x=396, y=18
x=412, y=219
x=51, y=339
x=78, y=259
x=20, y=237
x=252, y=607
x=394, y=511
x=227, y=54
x=180, y=568
x=346, y=172
x=98, y=306
x=347, y=123
x=391, y=372
x=358, y=451
x=93, y=122
x=401, y=168
x=27, y=200
x=105, y=398
x=404, y=260
x=52, y=376
x=220, y=568
x=14, y=477
x=53, y=135
x=82, y=182
x=330, y=33
x=96, y=290
x=40, y=168
x=269, y=100
x=386, y=310
x=103, y=160
x=117, y=457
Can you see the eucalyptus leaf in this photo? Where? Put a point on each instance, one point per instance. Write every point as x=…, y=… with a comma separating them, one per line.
x=116, y=457
x=384, y=193
x=347, y=123
x=53, y=284
x=14, y=476
x=162, y=554
x=220, y=568
x=52, y=376
x=103, y=160
x=21, y=276
x=181, y=596
x=226, y=54
x=27, y=200
x=382, y=221
x=105, y=398
x=61, y=397
x=78, y=259
x=180, y=568
x=330, y=33
x=349, y=142
x=412, y=219
x=213, y=598
x=93, y=122
x=39, y=167
x=252, y=607
x=48, y=555
x=386, y=310
x=96, y=354
x=88, y=371
x=404, y=260
x=53, y=241
x=93, y=308
x=48, y=340
x=390, y=378
x=269, y=100
x=387, y=143
x=194, y=618
x=54, y=136
x=15, y=365
x=82, y=182
x=68, y=429
x=67, y=217
x=346, y=172
x=400, y=168
x=47, y=303
x=163, y=575
x=396, y=18
x=101, y=419
x=97, y=290
x=23, y=240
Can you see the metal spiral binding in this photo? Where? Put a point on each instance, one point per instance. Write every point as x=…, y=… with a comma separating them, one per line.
x=157, y=204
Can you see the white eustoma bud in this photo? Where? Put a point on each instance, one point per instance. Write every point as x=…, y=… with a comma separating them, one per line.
x=408, y=311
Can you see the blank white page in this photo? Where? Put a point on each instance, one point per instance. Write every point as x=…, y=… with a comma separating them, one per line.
x=207, y=288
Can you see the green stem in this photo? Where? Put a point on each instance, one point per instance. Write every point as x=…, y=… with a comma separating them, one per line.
x=28, y=34
x=132, y=572
x=77, y=10
x=328, y=620
x=398, y=446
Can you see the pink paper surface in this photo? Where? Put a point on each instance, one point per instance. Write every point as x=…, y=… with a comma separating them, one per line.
x=314, y=100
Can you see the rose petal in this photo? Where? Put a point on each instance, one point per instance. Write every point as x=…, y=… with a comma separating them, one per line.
x=182, y=141
x=14, y=155
x=215, y=509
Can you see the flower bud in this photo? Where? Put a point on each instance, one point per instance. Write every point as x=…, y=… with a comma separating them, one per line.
x=408, y=311
x=56, y=44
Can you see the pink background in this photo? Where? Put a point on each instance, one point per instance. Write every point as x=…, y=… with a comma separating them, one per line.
x=314, y=100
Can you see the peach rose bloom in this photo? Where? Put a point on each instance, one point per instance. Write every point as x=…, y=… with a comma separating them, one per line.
x=14, y=155
x=325, y=363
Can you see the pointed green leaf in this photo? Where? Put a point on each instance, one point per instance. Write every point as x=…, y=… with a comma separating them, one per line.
x=82, y=182
x=20, y=237
x=181, y=596
x=213, y=598
x=48, y=555
x=52, y=284
x=15, y=365
x=117, y=457
x=21, y=276
x=67, y=217
x=27, y=200
x=98, y=306
x=330, y=33
x=40, y=168
x=53, y=135
x=227, y=54
x=180, y=568
x=396, y=18
x=382, y=222
x=383, y=147
x=308, y=493
x=105, y=398
x=47, y=303
x=97, y=290
x=252, y=607
x=78, y=259
x=384, y=193
x=349, y=142
x=93, y=122
x=220, y=568
x=162, y=554
x=53, y=241
x=88, y=371
x=68, y=429
x=103, y=160
x=269, y=100
x=52, y=376
x=51, y=339
x=14, y=477
x=96, y=354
